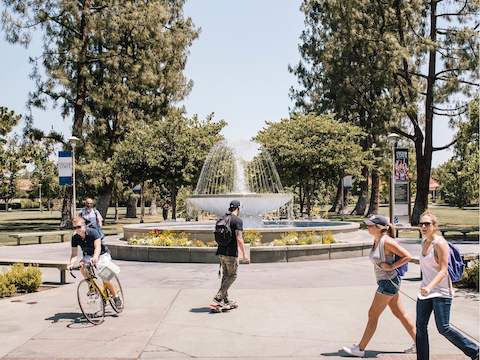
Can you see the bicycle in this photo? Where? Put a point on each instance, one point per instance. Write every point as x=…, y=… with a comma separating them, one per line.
x=93, y=295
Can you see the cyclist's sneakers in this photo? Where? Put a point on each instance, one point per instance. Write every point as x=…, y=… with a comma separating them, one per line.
x=91, y=291
x=354, y=350
x=117, y=301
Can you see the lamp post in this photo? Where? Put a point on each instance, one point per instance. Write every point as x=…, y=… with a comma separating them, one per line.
x=392, y=139
x=72, y=140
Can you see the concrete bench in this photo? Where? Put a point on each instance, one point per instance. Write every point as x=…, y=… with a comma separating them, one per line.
x=463, y=230
x=61, y=266
x=399, y=228
x=40, y=235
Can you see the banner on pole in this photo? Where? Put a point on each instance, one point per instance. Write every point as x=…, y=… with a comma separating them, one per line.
x=401, y=187
x=65, y=167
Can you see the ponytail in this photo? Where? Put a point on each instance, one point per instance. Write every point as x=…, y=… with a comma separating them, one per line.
x=391, y=230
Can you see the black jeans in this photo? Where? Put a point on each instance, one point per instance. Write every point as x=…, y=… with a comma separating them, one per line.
x=441, y=310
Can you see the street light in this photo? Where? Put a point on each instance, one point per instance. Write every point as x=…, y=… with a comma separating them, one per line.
x=392, y=139
x=72, y=140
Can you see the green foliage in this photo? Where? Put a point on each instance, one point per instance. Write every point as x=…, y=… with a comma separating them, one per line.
x=169, y=152
x=162, y=238
x=459, y=177
x=312, y=152
x=25, y=279
x=470, y=277
x=304, y=238
x=7, y=288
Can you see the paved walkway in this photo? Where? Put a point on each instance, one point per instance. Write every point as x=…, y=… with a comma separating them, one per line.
x=304, y=310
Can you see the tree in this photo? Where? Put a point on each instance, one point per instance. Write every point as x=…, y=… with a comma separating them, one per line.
x=169, y=152
x=311, y=152
x=459, y=176
x=111, y=64
x=345, y=67
x=11, y=155
x=439, y=60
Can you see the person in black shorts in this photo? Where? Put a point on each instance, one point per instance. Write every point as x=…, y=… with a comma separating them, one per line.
x=94, y=251
x=229, y=255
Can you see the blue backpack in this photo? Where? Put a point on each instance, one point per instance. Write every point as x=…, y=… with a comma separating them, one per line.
x=456, y=266
x=402, y=270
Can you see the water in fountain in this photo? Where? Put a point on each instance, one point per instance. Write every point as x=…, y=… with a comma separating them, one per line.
x=242, y=171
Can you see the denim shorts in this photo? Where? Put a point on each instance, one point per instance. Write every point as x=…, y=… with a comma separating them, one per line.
x=387, y=288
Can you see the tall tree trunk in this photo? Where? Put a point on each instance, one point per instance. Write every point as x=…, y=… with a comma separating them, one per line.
x=116, y=208
x=424, y=158
x=338, y=199
x=173, y=200
x=79, y=106
x=66, y=221
x=153, y=206
x=361, y=205
x=374, y=193
x=132, y=206
x=103, y=200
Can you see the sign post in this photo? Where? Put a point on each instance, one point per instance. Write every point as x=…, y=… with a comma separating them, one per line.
x=401, y=187
x=65, y=167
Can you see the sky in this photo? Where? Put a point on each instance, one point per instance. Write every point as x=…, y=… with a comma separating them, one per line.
x=239, y=67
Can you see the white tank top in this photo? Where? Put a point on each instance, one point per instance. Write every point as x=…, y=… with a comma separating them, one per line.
x=430, y=269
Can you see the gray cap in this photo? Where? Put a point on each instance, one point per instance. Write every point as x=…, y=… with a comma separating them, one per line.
x=377, y=220
x=235, y=204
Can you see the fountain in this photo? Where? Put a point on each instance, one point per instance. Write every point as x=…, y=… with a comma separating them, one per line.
x=243, y=171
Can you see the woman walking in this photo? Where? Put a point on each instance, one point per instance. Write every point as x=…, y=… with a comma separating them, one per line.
x=382, y=255
x=436, y=291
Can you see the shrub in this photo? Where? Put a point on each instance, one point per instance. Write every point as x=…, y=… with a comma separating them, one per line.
x=328, y=238
x=252, y=237
x=25, y=279
x=6, y=287
x=162, y=238
x=470, y=277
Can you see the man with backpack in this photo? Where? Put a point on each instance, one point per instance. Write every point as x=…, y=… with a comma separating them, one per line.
x=228, y=235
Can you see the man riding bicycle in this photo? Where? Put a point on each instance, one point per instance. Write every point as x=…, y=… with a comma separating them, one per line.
x=94, y=252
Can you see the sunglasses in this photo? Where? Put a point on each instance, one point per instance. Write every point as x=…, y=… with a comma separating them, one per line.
x=427, y=223
x=77, y=227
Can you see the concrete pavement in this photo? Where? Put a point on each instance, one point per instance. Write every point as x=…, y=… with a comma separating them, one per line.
x=304, y=310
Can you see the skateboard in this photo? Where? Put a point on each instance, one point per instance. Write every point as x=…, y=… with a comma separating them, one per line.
x=216, y=308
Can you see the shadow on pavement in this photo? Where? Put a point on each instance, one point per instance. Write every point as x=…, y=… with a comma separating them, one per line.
x=369, y=354
x=204, y=309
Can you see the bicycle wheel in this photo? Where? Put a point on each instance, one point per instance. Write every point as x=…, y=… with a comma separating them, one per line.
x=117, y=286
x=91, y=302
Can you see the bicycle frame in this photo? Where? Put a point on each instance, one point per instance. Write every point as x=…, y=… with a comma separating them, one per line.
x=92, y=280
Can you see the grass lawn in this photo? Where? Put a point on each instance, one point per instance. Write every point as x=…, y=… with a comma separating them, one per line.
x=34, y=220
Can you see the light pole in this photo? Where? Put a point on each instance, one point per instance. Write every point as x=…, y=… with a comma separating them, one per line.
x=72, y=140
x=392, y=139
x=40, y=196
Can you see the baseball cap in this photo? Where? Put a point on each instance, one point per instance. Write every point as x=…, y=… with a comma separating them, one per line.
x=377, y=220
x=234, y=204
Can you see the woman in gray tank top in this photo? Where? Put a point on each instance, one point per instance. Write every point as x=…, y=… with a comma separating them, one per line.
x=382, y=256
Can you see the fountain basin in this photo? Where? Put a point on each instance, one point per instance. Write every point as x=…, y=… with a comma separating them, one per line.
x=269, y=231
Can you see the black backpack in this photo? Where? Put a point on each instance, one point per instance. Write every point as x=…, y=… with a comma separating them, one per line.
x=223, y=232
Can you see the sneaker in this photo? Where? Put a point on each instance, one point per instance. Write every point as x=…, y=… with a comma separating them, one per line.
x=218, y=301
x=118, y=302
x=229, y=302
x=411, y=350
x=354, y=350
